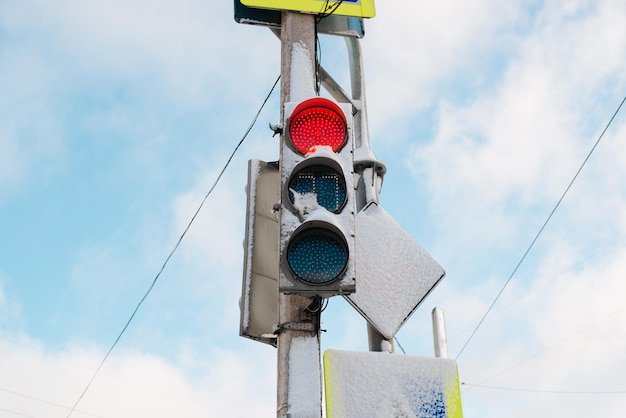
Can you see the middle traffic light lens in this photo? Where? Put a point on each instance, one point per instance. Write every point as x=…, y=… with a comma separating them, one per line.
x=327, y=184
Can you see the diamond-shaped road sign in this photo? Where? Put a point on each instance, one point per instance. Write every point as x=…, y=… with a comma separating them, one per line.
x=394, y=274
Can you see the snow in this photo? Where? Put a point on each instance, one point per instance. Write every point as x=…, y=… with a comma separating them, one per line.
x=304, y=378
x=254, y=171
x=384, y=385
x=302, y=77
x=393, y=272
x=305, y=203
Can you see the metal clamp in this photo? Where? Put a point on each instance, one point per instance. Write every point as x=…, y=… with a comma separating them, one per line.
x=294, y=326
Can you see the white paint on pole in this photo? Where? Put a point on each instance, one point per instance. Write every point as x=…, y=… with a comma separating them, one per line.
x=305, y=378
x=301, y=73
x=439, y=333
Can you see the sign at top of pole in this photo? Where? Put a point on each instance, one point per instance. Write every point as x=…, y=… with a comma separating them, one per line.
x=357, y=8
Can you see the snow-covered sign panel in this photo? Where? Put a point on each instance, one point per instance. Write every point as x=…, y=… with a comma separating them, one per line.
x=384, y=385
x=357, y=8
x=393, y=272
x=333, y=24
x=259, y=293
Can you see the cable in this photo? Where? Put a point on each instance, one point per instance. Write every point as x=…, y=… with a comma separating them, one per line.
x=554, y=345
x=318, y=60
x=559, y=392
x=329, y=10
x=44, y=401
x=542, y=227
x=399, y=345
x=16, y=413
x=598, y=253
x=326, y=11
x=173, y=250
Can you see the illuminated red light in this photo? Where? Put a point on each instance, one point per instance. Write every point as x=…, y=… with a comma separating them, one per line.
x=317, y=122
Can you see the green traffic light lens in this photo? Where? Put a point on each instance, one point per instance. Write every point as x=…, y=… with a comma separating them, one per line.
x=317, y=256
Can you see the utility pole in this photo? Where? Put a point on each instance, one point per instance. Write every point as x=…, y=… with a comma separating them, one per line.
x=299, y=385
x=315, y=227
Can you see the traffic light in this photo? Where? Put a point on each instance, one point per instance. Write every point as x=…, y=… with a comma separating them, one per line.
x=317, y=246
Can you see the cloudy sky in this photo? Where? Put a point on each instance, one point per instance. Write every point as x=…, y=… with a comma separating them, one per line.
x=117, y=116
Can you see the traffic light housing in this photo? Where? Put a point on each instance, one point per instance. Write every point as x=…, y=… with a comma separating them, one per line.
x=317, y=246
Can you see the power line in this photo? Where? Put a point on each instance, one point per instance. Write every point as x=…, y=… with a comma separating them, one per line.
x=16, y=413
x=554, y=345
x=399, y=345
x=559, y=392
x=22, y=395
x=542, y=227
x=180, y=239
x=597, y=254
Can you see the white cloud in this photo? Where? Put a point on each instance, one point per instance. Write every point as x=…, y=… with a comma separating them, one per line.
x=30, y=136
x=133, y=384
x=564, y=336
x=519, y=146
x=517, y=92
x=412, y=47
x=69, y=66
x=217, y=231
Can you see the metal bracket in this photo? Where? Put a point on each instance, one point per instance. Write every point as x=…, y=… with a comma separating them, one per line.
x=294, y=326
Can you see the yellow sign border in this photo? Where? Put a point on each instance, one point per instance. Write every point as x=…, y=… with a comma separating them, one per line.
x=348, y=375
x=360, y=8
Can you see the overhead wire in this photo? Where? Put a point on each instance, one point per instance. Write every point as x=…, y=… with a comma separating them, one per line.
x=598, y=253
x=399, y=345
x=327, y=10
x=569, y=186
x=23, y=395
x=558, y=392
x=17, y=414
x=555, y=344
x=156, y=278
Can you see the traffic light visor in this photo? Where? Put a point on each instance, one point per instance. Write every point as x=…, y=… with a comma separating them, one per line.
x=317, y=122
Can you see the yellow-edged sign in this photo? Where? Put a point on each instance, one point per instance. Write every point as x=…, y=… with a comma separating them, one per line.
x=367, y=384
x=357, y=8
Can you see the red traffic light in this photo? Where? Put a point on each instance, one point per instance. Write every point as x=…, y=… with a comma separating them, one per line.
x=317, y=122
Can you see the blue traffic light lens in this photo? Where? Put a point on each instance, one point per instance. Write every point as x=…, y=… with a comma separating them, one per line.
x=317, y=256
x=327, y=184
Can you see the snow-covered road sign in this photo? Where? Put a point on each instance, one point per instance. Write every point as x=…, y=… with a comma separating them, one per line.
x=384, y=385
x=394, y=273
x=335, y=24
x=358, y=8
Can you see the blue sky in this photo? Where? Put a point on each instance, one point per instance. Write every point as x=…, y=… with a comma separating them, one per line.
x=117, y=117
